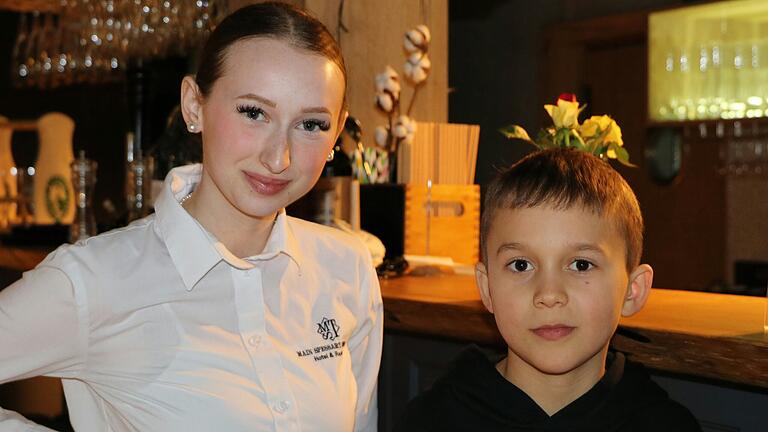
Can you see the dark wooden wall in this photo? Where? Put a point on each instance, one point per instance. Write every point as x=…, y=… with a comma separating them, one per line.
x=526, y=56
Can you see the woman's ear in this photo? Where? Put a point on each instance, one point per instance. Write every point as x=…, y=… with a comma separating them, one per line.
x=340, y=126
x=481, y=278
x=638, y=289
x=191, y=104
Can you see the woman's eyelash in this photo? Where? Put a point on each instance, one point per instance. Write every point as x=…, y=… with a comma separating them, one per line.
x=320, y=124
x=250, y=111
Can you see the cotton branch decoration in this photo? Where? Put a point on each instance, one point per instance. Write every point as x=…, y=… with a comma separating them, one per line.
x=400, y=125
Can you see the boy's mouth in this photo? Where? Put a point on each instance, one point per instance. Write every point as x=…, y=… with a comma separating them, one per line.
x=553, y=332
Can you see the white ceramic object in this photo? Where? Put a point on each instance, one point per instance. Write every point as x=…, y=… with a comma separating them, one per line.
x=54, y=196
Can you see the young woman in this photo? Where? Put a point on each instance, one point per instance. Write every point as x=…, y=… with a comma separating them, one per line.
x=219, y=312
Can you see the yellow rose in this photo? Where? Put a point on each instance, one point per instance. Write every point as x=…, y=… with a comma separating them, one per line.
x=564, y=114
x=597, y=124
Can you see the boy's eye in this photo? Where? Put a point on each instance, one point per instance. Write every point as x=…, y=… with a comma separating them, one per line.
x=314, y=125
x=520, y=265
x=251, y=112
x=581, y=265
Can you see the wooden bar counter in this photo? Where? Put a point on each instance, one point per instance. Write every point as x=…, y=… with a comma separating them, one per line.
x=713, y=336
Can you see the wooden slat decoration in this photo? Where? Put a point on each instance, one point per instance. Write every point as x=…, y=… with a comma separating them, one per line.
x=445, y=153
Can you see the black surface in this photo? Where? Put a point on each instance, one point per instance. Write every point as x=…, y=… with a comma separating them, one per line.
x=382, y=213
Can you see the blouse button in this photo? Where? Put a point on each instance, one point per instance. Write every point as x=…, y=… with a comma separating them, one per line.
x=282, y=406
x=254, y=340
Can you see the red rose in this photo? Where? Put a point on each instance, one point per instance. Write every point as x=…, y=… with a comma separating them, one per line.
x=569, y=97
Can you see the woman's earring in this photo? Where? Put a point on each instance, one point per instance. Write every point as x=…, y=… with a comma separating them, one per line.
x=330, y=155
x=191, y=127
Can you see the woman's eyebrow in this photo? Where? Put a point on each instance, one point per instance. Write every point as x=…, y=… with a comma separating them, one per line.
x=265, y=101
x=318, y=109
x=258, y=98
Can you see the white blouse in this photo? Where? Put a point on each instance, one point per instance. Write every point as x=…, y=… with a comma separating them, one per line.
x=157, y=327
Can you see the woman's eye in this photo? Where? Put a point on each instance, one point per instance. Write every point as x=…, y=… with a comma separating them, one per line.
x=314, y=125
x=581, y=265
x=251, y=112
x=520, y=265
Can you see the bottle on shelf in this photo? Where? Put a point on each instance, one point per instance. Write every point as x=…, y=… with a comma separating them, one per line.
x=83, y=182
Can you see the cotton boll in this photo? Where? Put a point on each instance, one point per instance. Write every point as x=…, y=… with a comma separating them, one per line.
x=425, y=62
x=385, y=102
x=424, y=30
x=403, y=127
x=380, y=135
x=410, y=127
x=389, y=81
x=417, y=67
x=400, y=131
x=412, y=41
x=419, y=75
x=417, y=39
x=408, y=45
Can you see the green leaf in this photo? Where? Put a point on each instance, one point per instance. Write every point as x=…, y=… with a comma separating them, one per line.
x=622, y=155
x=600, y=150
x=578, y=142
x=515, y=131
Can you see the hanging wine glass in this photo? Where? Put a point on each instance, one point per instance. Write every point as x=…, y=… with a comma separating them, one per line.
x=30, y=53
x=19, y=70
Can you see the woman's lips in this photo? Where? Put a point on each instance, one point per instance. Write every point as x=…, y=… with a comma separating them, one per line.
x=553, y=332
x=265, y=185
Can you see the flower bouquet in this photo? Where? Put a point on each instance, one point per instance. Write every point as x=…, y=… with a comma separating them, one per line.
x=599, y=135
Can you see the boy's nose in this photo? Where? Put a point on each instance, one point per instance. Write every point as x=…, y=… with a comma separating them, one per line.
x=276, y=157
x=550, y=293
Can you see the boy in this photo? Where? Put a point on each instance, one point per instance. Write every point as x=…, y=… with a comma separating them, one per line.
x=561, y=239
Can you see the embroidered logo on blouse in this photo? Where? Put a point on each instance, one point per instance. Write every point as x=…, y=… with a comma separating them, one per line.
x=328, y=329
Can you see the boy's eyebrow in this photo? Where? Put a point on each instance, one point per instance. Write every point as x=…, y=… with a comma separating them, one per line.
x=589, y=247
x=509, y=246
x=577, y=246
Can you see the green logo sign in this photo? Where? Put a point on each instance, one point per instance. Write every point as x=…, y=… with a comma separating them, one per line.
x=57, y=197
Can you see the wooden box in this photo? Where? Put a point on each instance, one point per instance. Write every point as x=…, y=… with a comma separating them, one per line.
x=444, y=221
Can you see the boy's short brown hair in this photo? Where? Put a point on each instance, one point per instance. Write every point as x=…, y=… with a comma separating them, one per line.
x=564, y=178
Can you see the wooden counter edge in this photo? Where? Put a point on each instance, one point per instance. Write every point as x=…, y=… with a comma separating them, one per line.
x=737, y=360
x=725, y=359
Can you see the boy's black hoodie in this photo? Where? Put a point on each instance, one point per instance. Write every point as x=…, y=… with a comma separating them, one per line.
x=473, y=396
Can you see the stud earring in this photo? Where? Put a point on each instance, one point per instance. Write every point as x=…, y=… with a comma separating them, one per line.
x=330, y=155
x=191, y=127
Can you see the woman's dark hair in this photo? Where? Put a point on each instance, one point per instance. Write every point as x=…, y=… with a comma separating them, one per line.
x=274, y=20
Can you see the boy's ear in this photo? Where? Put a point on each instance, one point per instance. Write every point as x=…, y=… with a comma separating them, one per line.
x=191, y=103
x=481, y=278
x=638, y=289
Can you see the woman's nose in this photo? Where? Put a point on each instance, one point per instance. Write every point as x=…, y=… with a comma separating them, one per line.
x=276, y=156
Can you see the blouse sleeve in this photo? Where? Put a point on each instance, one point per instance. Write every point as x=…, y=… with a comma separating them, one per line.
x=41, y=332
x=365, y=346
